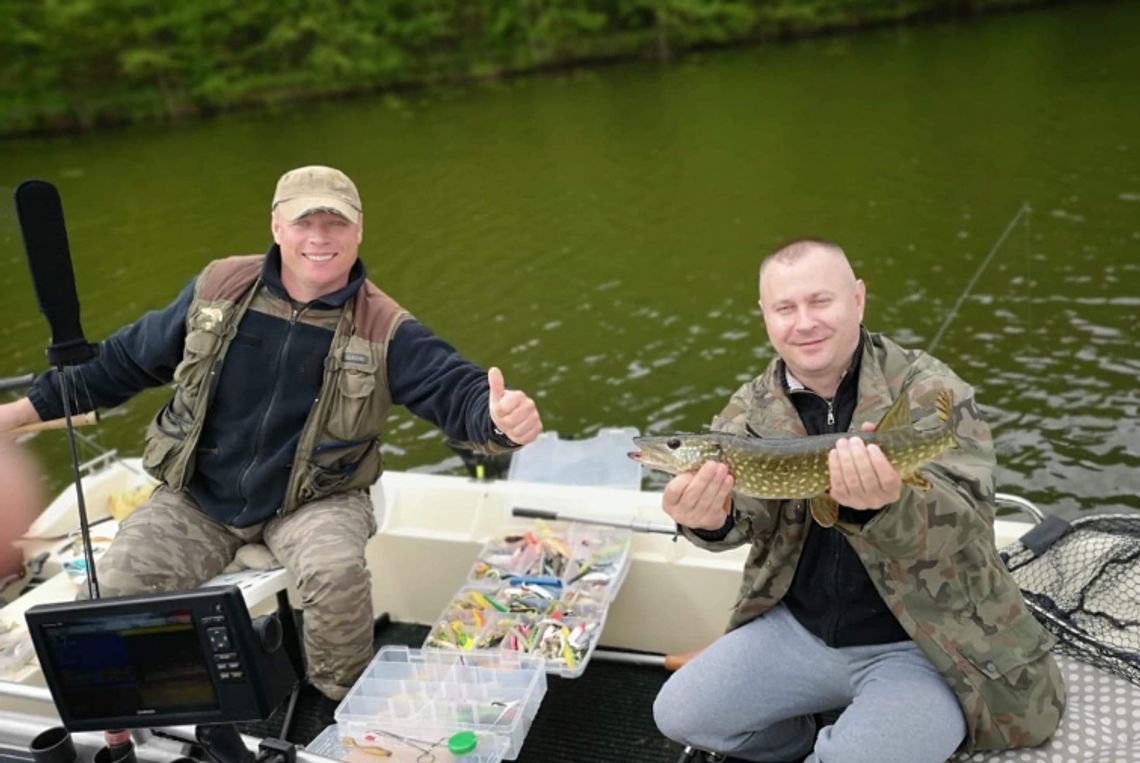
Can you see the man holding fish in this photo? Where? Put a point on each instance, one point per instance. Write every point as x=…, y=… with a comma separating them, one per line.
x=892, y=605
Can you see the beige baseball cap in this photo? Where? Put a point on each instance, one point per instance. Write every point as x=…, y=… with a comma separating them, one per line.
x=308, y=189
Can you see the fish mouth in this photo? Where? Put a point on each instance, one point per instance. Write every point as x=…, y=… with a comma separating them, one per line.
x=648, y=461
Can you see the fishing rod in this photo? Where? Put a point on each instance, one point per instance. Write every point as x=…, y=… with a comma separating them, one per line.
x=1024, y=210
x=102, y=454
x=633, y=523
x=40, y=213
x=20, y=383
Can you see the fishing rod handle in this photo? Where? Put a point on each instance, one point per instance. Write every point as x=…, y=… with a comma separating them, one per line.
x=80, y=420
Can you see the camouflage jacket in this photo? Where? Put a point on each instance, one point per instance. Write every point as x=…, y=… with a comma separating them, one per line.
x=931, y=555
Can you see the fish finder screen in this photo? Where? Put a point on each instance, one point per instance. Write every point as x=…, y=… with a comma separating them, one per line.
x=131, y=665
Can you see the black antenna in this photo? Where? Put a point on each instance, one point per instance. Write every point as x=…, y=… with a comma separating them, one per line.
x=40, y=213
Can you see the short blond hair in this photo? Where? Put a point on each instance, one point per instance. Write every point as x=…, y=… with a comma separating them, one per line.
x=791, y=251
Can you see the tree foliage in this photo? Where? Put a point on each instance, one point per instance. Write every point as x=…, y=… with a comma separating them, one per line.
x=79, y=63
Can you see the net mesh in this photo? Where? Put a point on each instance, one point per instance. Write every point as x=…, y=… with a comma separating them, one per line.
x=1085, y=588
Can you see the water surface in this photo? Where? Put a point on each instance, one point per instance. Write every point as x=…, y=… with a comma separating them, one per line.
x=596, y=233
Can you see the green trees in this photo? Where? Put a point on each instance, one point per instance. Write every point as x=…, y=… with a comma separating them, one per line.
x=80, y=63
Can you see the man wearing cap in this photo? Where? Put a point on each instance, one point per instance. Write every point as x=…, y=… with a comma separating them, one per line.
x=284, y=367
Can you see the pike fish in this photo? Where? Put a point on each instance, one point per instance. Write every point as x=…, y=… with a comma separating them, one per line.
x=796, y=467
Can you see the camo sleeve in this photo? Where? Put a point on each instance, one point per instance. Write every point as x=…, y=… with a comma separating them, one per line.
x=959, y=507
x=738, y=528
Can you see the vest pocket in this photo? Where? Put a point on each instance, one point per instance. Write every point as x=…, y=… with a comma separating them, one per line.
x=160, y=446
x=334, y=464
x=201, y=347
x=355, y=387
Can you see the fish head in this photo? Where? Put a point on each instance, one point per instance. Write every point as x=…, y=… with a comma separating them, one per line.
x=676, y=453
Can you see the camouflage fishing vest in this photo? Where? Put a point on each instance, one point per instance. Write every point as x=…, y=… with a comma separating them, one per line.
x=338, y=448
x=931, y=556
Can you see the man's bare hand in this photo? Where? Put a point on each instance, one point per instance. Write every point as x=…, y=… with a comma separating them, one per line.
x=512, y=412
x=699, y=499
x=861, y=475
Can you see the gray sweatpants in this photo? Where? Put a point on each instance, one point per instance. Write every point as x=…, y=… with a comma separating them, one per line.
x=169, y=544
x=752, y=693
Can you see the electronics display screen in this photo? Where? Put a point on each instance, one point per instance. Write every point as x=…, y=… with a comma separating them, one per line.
x=160, y=659
x=134, y=664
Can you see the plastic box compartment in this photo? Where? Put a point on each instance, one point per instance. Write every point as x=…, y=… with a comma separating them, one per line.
x=426, y=696
x=577, y=554
x=565, y=638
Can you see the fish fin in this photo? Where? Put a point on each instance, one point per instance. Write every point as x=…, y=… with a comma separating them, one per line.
x=944, y=405
x=916, y=480
x=824, y=510
x=898, y=416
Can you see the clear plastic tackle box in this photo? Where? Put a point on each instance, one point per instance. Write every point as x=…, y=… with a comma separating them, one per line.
x=542, y=589
x=461, y=706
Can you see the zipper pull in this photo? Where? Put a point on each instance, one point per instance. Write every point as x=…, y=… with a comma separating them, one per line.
x=830, y=413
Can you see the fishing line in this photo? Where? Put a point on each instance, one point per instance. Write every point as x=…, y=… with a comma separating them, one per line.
x=1024, y=210
x=78, y=380
x=90, y=442
x=1028, y=283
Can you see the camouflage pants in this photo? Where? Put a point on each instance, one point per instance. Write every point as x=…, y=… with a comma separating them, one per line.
x=169, y=544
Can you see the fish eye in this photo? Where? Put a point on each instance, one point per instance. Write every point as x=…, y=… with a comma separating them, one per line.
x=674, y=443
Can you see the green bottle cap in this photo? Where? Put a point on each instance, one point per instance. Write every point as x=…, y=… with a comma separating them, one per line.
x=462, y=743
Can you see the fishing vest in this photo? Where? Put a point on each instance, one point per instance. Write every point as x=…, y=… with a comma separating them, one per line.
x=339, y=447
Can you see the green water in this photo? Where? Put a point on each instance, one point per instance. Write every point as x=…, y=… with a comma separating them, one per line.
x=596, y=233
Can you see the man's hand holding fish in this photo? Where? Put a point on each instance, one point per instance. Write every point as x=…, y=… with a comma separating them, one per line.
x=700, y=498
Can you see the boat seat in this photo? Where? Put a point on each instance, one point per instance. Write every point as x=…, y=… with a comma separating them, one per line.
x=266, y=590
x=256, y=586
x=1101, y=723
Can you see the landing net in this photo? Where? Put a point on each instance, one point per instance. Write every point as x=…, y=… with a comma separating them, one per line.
x=1082, y=580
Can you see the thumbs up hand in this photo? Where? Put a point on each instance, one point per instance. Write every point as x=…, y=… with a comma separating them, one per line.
x=513, y=413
